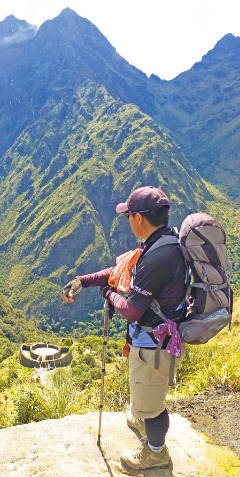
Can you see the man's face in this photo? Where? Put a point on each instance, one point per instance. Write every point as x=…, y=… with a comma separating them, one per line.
x=136, y=224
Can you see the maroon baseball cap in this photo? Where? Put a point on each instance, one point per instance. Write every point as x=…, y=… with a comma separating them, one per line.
x=144, y=199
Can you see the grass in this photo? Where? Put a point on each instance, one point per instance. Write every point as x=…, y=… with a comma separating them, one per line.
x=214, y=364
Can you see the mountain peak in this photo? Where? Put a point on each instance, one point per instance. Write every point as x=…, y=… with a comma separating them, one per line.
x=13, y=30
x=10, y=25
x=69, y=21
x=227, y=45
x=68, y=11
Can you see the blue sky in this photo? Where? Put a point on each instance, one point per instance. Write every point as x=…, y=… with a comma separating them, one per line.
x=164, y=37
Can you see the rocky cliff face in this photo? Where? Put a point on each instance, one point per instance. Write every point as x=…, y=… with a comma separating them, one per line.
x=14, y=31
x=200, y=109
x=65, y=52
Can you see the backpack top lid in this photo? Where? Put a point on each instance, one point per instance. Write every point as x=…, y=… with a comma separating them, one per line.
x=203, y=238
x=202, y=226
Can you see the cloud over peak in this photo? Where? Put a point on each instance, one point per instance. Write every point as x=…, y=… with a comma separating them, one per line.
x=14, y=31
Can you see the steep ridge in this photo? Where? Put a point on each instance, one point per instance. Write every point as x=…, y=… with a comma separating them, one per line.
x=13, y=30
x=65, y=52
x=63, y=178
x=200, y=109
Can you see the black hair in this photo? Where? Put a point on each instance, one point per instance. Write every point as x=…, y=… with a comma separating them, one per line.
x=158, y=217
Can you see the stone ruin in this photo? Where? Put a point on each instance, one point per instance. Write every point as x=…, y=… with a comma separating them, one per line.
x=45, y=355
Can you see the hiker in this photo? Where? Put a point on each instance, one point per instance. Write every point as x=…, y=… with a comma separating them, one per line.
x=160, y=274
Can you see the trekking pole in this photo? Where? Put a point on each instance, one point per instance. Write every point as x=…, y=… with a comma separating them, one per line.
x=107, y=317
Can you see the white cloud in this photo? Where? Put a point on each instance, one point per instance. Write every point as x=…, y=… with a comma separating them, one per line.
x=19, y=36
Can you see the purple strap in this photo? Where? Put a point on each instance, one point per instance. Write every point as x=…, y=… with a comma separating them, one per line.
x=169, y=328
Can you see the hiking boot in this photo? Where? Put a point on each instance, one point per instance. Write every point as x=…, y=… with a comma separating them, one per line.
x=143, y=458
x=136, y=423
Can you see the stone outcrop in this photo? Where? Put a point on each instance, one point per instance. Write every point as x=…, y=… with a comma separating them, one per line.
x=68, y=446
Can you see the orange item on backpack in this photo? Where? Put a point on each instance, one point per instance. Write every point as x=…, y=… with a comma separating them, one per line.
x=120, y=277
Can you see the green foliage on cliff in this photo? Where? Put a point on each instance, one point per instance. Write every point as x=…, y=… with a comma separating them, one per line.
x=228, y=213
x=15, y=329
x=200, y=109
x=63, y=177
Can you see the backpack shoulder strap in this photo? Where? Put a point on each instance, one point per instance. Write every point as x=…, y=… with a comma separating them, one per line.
x=164, y=240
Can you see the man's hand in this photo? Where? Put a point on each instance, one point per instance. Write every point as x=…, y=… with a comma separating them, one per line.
x=68, y=296
x=71, y=289
x=105, y=291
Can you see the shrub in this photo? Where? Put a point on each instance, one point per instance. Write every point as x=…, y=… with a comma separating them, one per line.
x=117, y=393
x=62, y=393
x=30, y=405
x=210, y=365
x=89, y=359
x=67, y=342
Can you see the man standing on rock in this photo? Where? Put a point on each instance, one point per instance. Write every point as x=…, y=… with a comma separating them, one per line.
x=159, y=275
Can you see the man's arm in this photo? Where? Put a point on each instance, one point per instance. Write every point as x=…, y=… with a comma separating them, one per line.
x=127, y=310
x=98, y=279
x=92, y=280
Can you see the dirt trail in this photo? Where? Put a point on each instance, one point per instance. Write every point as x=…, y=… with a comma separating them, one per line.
x=216, y=412
x=43, y=374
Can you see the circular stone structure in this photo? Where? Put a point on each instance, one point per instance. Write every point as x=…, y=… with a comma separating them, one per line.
x=45, y=355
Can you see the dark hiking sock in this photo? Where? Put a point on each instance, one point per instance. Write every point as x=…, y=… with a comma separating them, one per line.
x=156, y=429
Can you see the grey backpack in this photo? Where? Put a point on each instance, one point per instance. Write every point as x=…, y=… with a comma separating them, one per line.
x=210, y=298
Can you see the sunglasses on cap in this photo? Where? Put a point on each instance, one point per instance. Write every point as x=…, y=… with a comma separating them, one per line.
x=133, y=213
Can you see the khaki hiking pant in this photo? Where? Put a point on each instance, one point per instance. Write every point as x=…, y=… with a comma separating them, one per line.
x=149, y=386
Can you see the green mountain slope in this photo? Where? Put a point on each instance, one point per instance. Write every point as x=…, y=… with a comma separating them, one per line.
x=64, y=176
x=228, y=213
x=200, y=109
x=80, y=130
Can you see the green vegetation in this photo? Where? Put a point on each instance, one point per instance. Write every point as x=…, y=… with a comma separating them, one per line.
x=15, y=329
x=27, y=395
x=228, y=213
x=215, y=364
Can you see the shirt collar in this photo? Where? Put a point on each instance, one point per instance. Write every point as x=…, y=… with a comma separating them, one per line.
x=165, y=230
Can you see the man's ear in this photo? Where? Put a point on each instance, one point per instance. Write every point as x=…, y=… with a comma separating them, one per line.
x=140, y=219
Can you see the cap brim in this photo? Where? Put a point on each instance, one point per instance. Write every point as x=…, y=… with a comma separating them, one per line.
x=122, y=208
